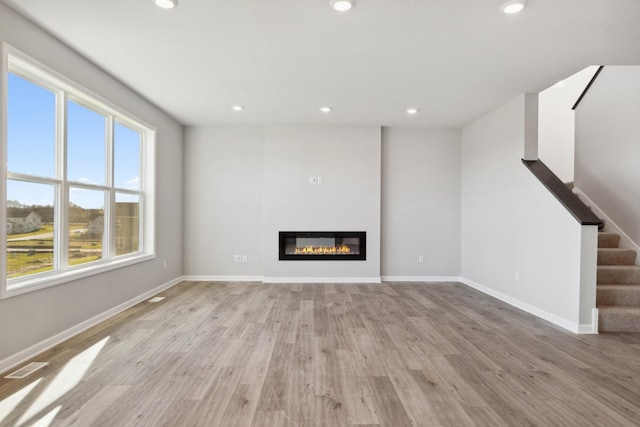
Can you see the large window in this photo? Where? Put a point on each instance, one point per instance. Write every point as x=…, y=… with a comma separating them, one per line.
x=78, y=187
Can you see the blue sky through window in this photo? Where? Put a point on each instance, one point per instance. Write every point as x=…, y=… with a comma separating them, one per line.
x=31, y=128
x=31, y=146
x=86, y=137
x=126, y=158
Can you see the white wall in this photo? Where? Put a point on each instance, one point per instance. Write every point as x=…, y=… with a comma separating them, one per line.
x=608, y=146
x=518, y=242
x=349, y=160
x=29, y=319
x=224, y=175
x=420, y=203
x=253, y=182
x=557, y=123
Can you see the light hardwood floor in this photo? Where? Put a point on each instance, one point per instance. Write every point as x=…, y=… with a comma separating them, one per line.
x=396, y=354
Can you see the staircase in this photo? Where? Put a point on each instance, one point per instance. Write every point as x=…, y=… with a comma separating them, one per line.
x=618, y=286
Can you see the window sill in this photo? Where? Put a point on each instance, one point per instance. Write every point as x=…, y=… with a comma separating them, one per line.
x=46, y=280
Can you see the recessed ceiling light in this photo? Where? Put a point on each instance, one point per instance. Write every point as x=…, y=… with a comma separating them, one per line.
x=513, y=6
x=412, y=111
x=237, y=108
x=166, y=4
x=342, y=5
x=326, y=109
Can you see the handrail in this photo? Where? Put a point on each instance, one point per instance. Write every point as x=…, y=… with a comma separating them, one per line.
x=586, y=89
x=569, y=200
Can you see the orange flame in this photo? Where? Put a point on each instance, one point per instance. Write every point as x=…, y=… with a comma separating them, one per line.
x=322, y=250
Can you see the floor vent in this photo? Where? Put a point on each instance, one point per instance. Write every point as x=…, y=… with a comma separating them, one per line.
x=156, y=299
x=27, y=370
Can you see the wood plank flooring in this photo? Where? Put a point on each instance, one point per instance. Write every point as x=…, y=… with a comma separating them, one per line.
x=391, y=354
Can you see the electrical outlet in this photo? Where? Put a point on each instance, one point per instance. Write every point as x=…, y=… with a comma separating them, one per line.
x=319, y=180
x=313, y=180
x=237, y=258
x=244, y=258
x=421, y=259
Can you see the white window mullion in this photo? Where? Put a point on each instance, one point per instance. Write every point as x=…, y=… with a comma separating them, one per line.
x=29, y=178
x=4, y=68
x=141, y=231
x=61, y=215
x=142, y=205
x=108, y=239
x=148, y=189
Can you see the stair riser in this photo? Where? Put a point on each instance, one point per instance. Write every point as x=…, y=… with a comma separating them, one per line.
x=614, y=322
x=622, y=257
x=608, y=240
x=618, y=291
x=620, y=275
x=620, y=297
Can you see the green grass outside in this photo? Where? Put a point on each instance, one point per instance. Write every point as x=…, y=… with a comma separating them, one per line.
x=21, y=264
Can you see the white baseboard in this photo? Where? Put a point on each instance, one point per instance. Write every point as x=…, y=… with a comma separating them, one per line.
x=322, y=280
x=231, y=278
x=34, y=350
x=207, y=278
x=564, y=323
x=625, y=241
x=421, y=278
x=593, y=328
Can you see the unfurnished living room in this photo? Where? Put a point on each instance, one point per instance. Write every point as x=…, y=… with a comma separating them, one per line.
x=320, y=213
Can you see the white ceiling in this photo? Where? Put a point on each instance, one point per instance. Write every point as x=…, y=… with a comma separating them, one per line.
x=282, y=59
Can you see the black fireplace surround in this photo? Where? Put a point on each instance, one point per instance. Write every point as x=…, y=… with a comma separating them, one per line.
x=323, y=245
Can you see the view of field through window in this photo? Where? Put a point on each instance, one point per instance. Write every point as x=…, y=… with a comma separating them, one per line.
x=41, y=174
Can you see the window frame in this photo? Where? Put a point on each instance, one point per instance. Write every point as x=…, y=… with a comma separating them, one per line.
x=14, y=61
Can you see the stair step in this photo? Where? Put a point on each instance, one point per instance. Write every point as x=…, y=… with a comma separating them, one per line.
x=616, y=256
x=619, y=319
x=618, y=295
x=608, y=240
x=618, y=275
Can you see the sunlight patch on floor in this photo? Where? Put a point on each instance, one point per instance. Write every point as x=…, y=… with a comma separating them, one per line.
x=68, y=377
x=8, y=405
x=47, y=419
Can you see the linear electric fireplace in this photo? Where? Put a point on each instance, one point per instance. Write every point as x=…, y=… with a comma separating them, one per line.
x=323, y=245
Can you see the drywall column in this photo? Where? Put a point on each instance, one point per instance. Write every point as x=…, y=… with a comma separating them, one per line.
x=531, y=126
x=588, y=278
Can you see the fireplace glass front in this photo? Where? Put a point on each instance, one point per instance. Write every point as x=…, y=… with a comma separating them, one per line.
x=323, y=245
